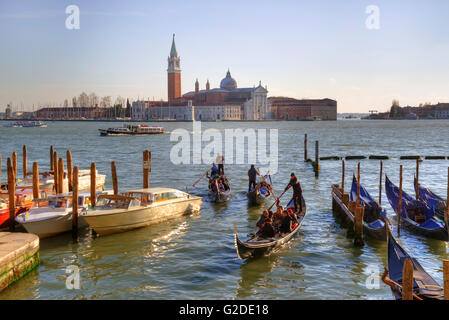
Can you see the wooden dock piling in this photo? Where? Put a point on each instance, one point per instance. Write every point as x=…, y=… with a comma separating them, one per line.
x=52, y=153
x=446, y=212
x=446, y=279
x=55, y=171
x=358, y=213
x=75, y=195
x=11, y=194
x=380, y=183
x=69, y=169
x=305, y=147
x=407, y=280
x=61, y=175
x=400, y=201
x=35, y=180
x=24, y=161
x=317, y=158
x=93, y=184
x=342, y=176
x=114, y=177
x=417, y=180
x=0, y=170
x=146, y=168
x=14, y=163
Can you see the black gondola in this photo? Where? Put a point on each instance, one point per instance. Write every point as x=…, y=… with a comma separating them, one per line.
x=257, y=246
x=262, y=191
x=416, y=215
x=424, y=286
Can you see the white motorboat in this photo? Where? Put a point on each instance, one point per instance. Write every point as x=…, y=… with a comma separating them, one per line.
x=53, y=216
x=47, y=181
x=139, y=208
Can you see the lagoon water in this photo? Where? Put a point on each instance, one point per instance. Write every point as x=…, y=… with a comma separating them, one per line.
x=194, y=257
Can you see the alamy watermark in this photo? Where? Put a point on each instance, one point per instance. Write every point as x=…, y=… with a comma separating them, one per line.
x=72, y=22
x=372, y=22
x=373, y=279
x=189, y=148
x=73, y=278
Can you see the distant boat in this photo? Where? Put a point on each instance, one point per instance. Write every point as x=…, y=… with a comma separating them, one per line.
x=26, y=124
x=130, y=129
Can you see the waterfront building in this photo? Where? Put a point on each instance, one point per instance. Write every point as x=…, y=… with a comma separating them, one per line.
x=8, y=112
x=284, y=108
x=61, y=113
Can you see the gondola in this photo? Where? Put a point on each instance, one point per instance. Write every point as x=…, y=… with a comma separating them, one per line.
x=434, y=201
x=217, y=195
x=374, y=217
x=416, y=215
x=424, y=286
x=257, y=246
x=262, y=190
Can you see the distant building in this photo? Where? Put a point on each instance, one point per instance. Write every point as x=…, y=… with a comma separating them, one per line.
x=284, y=108
x=60, y=113
x=8, y=112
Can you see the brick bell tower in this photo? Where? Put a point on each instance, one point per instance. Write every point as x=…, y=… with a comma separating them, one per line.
x=174, y=73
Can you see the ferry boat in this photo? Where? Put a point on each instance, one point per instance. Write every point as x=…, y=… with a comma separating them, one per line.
x=132, y=129
x=26, y=124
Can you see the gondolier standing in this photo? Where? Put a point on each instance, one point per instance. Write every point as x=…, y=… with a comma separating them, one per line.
x=220, y=162
x=252, y=175
x=297, y=191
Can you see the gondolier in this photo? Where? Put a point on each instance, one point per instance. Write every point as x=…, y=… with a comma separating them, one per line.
x=252, y=175
x=297, y=191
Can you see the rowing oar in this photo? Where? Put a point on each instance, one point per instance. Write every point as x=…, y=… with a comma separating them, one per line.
x=277, y=199
x=391, y=283
x=193, y=185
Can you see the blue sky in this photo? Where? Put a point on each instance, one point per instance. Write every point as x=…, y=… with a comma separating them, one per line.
x=303, y=49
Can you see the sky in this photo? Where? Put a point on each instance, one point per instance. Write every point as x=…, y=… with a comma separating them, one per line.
x=301, y=49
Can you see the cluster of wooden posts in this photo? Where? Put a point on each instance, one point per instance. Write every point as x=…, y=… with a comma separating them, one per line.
x=57, y=168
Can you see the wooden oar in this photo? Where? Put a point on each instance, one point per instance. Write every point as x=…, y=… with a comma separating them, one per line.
x=193, y=185
x=276, y=201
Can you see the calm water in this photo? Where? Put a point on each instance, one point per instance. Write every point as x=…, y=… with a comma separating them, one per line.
x=194, y=257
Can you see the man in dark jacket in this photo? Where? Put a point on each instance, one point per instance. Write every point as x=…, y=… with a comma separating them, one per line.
x=252, y=175
x=297, y=191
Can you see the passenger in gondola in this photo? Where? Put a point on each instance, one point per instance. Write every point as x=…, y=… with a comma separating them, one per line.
x=267, y=230
x=277, y=217
x=297, y=191
x=286, y=224
x=252, y=175
x=263, y=218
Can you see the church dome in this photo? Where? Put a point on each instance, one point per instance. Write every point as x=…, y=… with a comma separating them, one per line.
x=228, y=83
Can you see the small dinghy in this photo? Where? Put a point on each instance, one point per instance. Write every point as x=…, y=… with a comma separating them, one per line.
x=416, y=215
x=262, y=191
x=257, y=245
x=424, y=286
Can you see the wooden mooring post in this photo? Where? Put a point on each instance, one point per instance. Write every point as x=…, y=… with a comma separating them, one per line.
x=35, y=180
x=380, y=182
x=317, y=158
x=417, y=180
x=358, y=214
x=407, y=280
x=93, y=184
x=24, y=161
x=446, y=212
x=61, y=175
x=146, y=168
x=69, y=170
x=52, y=153
x=11, y=194
x=114, y=177
x=342, y=177
x=55, y=171
x=305, y=147
x=14, y=163
x=75, y=195
x=446, y=279
x=400, y=201
x=0, y=170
